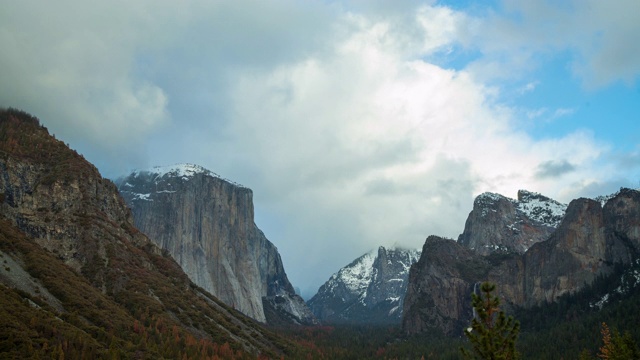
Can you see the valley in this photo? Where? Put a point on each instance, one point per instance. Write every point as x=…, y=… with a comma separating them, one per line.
x=168, y=262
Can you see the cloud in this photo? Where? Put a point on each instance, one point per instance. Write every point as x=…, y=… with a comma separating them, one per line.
x=333, y=113
x=554, y=169
x=365, y=145
x=73, y=68
x=630, y=160
x=560, y=112
x=528, y=87
x=599, y=37
x=543, y=113
x=113, y=75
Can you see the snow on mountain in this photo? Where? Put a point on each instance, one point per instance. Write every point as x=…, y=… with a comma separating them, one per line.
x=604, y=198
x=145, y=184
x=629, y=280
x=355, y=276
x=207, y=224
x=499, y=223
x=183, y=171
x=540, y=208
x=533, y=205
x=370, y=289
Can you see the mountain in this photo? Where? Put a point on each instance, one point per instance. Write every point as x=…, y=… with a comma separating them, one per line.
x=590, y=241
x=78, y=280
x=369, y=290
x=207, y=224
x=500, y=223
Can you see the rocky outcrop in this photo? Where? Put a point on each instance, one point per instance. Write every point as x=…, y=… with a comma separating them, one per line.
x=369, y=290
x=61, y=201
x=67, y=239
x=439, y=286
x=498, y=223
x=207, y=224
x=589, y=241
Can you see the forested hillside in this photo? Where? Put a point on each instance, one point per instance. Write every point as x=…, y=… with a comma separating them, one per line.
x=78, y=280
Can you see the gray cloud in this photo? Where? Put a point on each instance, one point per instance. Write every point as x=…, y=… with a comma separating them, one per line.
x=328, y=111
x=593, y=189
x=628, y=160
x=554, y=169
x=599, y=36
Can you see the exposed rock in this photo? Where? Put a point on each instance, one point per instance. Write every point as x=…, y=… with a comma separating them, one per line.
x=67, y=238
x=587, y=243
x=207, y=224
x=439, y=286
x=369, y=290
x=498, y=223
x=63, y=203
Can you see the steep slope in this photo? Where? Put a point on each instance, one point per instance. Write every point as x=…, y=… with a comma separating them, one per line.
x=96, y=286
x=439, y=286
x=589, y=242
x=207, y=224
x=369, y=290
x=498, y=223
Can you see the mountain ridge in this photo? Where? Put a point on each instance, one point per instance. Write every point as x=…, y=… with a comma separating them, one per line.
x=589, y=242
x=370, y=289
x=497, y=222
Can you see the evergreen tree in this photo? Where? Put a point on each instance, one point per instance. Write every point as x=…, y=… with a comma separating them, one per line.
x=617, y=347
x=492, y=334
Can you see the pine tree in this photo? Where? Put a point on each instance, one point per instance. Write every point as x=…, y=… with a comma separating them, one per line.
x=616, y=346
x=492, y=334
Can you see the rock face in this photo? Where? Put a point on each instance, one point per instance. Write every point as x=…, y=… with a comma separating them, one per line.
x=439, y=286
x=588, y=242
x=206, y=223
x=60, y=200
x=499, y=223
x=369, y=290
x=67, y=240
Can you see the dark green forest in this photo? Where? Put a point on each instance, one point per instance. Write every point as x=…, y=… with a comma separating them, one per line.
x=567, y=329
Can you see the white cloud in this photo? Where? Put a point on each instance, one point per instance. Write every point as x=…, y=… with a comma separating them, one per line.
x=348, y=135
x=365, y=145
x=560, y=112
x=528, y=87
x=600, y=36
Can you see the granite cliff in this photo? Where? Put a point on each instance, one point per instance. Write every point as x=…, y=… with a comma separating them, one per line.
x=369, y=290
x=500, y=223
x=589, y=240
x=207, y=224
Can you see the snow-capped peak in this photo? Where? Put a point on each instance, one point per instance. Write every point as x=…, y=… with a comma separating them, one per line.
x=180, y=170
x=541, y=208
x=489, y=197
x=533, y=205
x=185, y=171
x=603, y=199
x=357, y=275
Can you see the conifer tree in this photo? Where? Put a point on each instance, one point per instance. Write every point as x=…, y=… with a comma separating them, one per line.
x=492, y=334
x=616, y=346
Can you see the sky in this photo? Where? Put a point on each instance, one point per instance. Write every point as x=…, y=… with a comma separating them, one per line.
x=357, y=124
